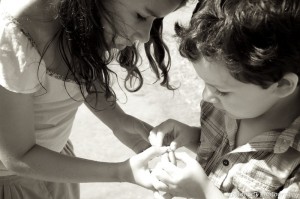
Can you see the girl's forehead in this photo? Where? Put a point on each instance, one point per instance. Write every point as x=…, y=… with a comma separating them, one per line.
x=157, y=8
x=163, y=7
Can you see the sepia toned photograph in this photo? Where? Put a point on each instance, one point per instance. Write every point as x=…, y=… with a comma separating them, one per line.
x=149, y=99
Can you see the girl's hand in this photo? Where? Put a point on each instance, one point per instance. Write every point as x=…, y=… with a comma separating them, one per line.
x=136, y=170
x=189, y=181
x=174, y=134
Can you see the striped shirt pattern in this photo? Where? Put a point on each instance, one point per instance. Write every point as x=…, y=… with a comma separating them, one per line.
x=268, y=166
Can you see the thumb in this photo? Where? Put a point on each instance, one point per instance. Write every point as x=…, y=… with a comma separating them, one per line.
x=168, y=196
x=151, y=153
x=175, y=144
x=156, y=137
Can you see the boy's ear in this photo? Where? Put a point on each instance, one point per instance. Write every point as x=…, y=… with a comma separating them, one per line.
x=286, y=85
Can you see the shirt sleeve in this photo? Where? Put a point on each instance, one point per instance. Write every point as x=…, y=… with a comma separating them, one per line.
x=291, y=189
x=21, y=68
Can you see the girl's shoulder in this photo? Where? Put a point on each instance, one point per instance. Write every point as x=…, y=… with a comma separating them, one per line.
x=21, y=68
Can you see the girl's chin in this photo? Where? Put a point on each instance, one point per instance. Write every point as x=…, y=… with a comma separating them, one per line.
x=119, y=46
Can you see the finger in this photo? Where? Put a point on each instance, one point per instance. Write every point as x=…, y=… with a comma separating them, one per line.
x=171, y=157
x=159, y=138
x=174, y=145
x=156, y=136
x=167, y=196
x=152, y=137
x=163, y=177
x=158, y=185
x=151, y=153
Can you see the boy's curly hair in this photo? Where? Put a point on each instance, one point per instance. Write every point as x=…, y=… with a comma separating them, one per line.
x=259, y=40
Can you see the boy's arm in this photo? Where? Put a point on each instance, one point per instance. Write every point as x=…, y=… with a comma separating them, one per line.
x=175, y=134
x=129, y=130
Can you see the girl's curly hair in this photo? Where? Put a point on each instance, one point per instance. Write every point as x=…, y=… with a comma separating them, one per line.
x=87, y=54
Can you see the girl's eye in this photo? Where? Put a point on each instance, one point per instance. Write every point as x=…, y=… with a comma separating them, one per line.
x=140, y=17
x=220, y=93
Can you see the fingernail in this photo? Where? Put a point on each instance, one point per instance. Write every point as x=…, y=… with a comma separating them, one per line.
x=172, y=147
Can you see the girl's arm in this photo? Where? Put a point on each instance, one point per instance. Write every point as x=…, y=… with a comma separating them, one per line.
x=129, y=130
x=20, y=154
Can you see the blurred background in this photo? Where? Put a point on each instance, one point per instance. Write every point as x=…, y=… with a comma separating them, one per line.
x=152, y=104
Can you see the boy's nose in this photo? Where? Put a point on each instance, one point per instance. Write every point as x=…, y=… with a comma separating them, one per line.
x=209, y=96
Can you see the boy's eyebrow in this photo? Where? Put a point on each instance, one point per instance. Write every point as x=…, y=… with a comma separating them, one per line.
x=152, y=13
x=216, y=86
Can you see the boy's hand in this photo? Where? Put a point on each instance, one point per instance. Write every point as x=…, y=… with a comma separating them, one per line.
x=175, y=134
x=189, y=181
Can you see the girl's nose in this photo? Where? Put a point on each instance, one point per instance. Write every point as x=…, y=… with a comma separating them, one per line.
x=209, y=96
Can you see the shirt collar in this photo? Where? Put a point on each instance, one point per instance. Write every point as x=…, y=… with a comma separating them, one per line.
x=276, y=140
x=290, y=137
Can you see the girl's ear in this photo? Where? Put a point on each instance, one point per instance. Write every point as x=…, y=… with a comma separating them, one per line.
x=286, y=85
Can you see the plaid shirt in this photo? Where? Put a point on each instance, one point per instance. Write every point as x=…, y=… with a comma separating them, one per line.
x=266, y=167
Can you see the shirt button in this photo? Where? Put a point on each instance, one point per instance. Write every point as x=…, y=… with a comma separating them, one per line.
x=225, y=162
x=256, y=194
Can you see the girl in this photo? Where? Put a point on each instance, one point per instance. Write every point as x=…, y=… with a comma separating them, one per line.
x=54, y=56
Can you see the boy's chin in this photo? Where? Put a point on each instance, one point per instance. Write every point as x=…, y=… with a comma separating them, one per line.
x=233, y=116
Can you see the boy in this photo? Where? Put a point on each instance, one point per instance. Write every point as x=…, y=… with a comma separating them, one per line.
x=248, y=53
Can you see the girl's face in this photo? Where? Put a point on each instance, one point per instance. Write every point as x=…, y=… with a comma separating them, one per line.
x=133, y=19
x=237, y=99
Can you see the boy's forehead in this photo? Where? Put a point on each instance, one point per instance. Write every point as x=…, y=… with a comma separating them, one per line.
x=215, y=73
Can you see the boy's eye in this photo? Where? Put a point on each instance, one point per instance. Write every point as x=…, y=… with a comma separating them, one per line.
x=140, y=17
x=220, y=93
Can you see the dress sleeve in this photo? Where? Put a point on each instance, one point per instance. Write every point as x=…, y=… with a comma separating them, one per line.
x=21, y=68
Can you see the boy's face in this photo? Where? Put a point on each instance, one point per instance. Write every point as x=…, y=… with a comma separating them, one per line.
x=239, y=100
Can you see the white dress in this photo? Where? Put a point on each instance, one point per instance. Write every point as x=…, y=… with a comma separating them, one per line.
x=23, y=71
